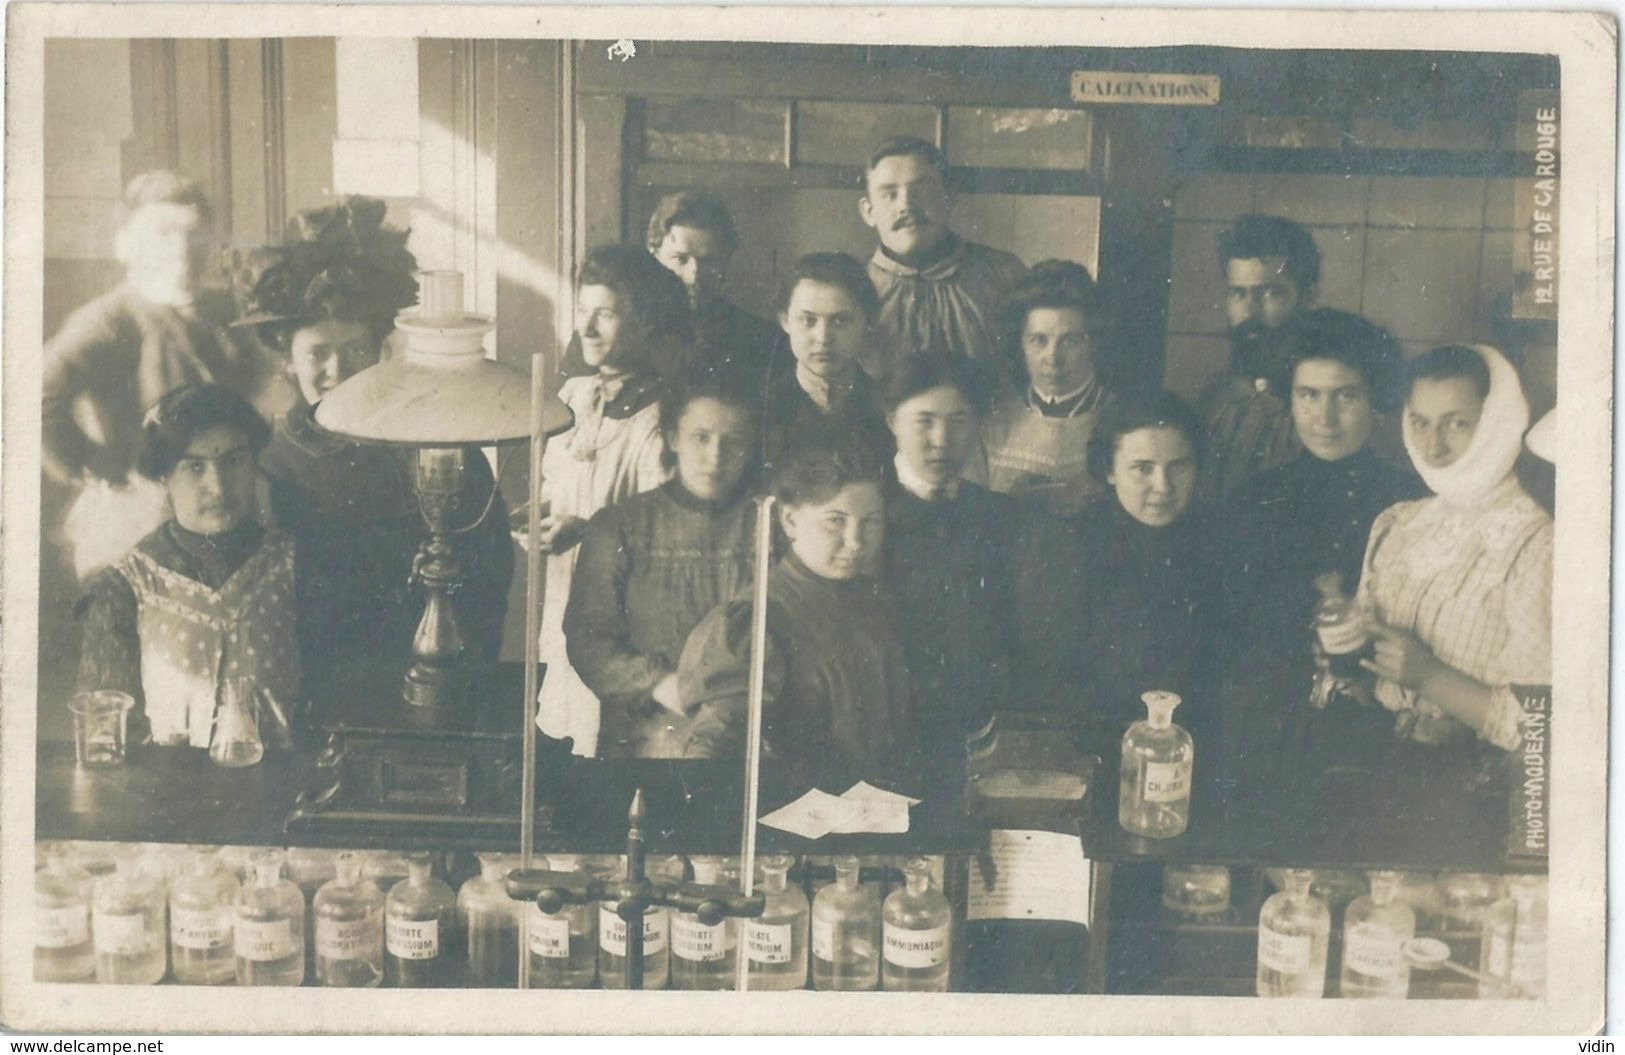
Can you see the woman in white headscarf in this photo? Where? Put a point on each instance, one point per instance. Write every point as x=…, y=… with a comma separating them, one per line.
x=1460, y=585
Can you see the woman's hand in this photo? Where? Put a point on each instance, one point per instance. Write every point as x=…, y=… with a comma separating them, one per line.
x=1401, y=658
x=561, y=532
x=667, y=695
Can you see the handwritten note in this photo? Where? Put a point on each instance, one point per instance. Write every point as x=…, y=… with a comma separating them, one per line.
x=1037, y=875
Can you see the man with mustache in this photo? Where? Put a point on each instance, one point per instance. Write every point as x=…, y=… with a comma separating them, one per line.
x=936, y=289
x=1272, y=271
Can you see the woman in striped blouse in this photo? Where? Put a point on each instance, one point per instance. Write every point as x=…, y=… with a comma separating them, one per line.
x=1460, y=584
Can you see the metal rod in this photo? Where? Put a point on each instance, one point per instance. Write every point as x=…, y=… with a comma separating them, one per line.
x=753, y=718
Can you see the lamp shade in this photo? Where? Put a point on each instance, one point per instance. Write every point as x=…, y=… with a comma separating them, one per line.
x=440, y=391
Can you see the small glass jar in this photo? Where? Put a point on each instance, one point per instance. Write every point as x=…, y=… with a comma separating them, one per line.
x=705, y=956
x=128, y=924
x=917, y=934
x=202, y=905
x=1375, y=930
x=63, y=951
x=563, y=946
x=1154, y=795
x=656, y=935
x=1294, y=934
x=420, y=924
x=490, y=921
x=349, y=928
x=269, y=926
x=846, y=932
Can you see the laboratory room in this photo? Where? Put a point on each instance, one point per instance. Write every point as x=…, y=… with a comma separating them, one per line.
x=887, y=518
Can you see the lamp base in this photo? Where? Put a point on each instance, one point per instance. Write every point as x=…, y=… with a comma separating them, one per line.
x=427, y=686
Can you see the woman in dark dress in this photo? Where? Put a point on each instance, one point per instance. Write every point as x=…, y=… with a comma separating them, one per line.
x=327, y=300
x=654, y=564
x=1113, y=602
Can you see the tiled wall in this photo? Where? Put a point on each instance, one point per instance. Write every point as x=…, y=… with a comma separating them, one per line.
x=1425, y=256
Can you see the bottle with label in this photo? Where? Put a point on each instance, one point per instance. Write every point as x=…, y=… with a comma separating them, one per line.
x=128, y=924
x=703, y=956
x=1340, y=627
x=563, y=945
x=1375, y=930
x=269, y=929
x=349, y=927
x=308, y=868
x=62, y=895
x=420, y=919
x=846, y=932
x=202, y=903
x=490, y=920
x=1154, y=795
x=656, y=935
x=776, y=941
x=916, y=934
x=1196, y=893
x=1294, y=932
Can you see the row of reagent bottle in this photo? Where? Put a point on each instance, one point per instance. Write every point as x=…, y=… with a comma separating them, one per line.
x=1294, y=935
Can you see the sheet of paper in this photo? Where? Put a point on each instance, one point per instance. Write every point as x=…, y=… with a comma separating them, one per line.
x=882, y=816
x=868, y=792
x=814, y=815
x=1038, y=875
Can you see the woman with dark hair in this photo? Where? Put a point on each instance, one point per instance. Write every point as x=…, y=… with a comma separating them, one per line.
x=1114, y=602
x=207, y=596
x=1054, y=324
x=1459, y=585
x=836, y=703
x=327, y=300
x=630, y=312
x=653, y=564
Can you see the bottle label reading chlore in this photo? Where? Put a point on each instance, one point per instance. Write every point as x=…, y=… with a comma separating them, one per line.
x=823, y=940
x=1373, y=951
x=1286, y=953
x=121, y=934
x=768, y=942
x=200, y=928
x=693, y=941
x=264, y=940
x=612, y=932
x=412, y=939
x=549, y=935
x=61, y=928
x=346, y=939
x=1167, y=781
x=916, y=948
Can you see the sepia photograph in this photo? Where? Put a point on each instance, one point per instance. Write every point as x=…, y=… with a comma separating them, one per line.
x=1023, y=511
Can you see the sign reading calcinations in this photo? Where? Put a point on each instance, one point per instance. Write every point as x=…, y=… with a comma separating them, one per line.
x=1153, y=89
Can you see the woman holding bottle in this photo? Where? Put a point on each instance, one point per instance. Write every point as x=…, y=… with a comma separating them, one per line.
x=629, y=311
x=654, y=564
x=1459, y=585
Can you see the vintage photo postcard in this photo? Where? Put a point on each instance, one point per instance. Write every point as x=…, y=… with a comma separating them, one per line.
x=660, y=520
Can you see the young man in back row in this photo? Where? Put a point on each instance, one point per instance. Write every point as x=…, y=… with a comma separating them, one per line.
x=937, y=290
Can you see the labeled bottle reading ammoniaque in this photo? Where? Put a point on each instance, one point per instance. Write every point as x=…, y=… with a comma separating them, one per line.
x=1340, y=627
x=420, y=924
x=490, y=921
x=776, y=941
x=563, y=946
x=846, y=932
x=1294, y=932
x=63, y=951
x=202, y=905
x=349, y=927
x=1375, y=930
x=916, y=934
x=269, y=929
x=128, y=923
x=704, y=956
x=1154, y=796
x=656, y=934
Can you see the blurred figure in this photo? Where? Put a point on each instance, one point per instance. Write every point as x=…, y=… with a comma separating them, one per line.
x=117, y=355
x=937, y=291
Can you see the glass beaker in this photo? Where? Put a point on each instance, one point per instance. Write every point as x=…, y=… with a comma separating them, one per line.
x=235, y=739
x=100, y=722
